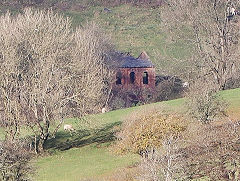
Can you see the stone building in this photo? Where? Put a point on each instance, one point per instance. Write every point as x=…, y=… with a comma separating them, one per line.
x=134, y=73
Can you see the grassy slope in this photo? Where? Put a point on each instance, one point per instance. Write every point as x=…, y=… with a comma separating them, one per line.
x=136, y=29
x=233, y=97
x=90, y=157
x=133, y=29
x=79, y=163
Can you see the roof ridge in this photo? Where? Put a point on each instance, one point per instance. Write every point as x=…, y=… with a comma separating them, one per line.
x=143, y=56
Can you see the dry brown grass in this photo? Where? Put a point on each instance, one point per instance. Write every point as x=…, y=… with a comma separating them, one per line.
x=124, y=174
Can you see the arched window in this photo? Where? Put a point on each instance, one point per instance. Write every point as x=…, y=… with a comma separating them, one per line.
x=118, y=78
x=145, y=78
x=132, y=77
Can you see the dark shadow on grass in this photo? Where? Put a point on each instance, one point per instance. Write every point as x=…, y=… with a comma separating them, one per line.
x=65, y=141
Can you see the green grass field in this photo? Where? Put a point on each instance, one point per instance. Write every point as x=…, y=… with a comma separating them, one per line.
x=78, y=163
x=85, y=154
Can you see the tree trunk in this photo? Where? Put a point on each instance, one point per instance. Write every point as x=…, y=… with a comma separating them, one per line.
x=41, y=143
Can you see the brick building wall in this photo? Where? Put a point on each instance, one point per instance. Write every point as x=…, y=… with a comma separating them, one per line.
x=143, y=78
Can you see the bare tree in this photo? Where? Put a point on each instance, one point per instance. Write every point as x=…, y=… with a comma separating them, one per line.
x=164, y=163
x=50, y=69
x=15, y=161
x=213, y=32
x=204, y=103
x=211, y=151
x=10, y=108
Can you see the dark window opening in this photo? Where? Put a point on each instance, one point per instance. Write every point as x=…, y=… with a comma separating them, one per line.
x=132, y=77
x=119, y=78
x=145, y=78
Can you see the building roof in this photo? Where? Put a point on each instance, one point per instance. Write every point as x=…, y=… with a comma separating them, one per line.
x=128, y=61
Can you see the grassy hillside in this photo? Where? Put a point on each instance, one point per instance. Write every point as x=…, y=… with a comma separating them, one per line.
x=79, y=163
x=132, y=29
x=85, y=154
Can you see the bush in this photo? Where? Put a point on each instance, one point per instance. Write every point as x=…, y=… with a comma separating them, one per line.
x=146, y=132
x=15, y=161
x=131, y=97
x=117, y=103
x=212, y=150
x=168, y=88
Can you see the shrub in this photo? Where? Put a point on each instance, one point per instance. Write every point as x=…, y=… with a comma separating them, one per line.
x=15, y=161
x=117, y=102
x=131, y=97
x=146, y=132
x=168, y=88
x=212, y=150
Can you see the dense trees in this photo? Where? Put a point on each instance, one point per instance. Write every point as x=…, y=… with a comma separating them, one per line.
x=47, y=70
x=212, y=28
x=214, y=33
